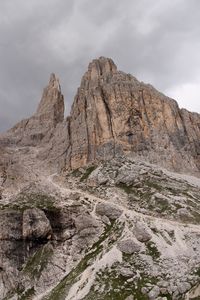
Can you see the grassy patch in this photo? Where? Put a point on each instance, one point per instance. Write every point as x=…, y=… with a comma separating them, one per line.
x=126, y=188
x=162, y=204
x=153, y=184
x=152, y=250
x=21, y=294
x=61, y=290
x=26, y=201
x=38, y=261
x=87, y=173
x=76, y=173
x=28, y=294
x=116, y=286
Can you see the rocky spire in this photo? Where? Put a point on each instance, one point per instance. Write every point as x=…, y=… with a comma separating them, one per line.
x=114, y=114
x=50, y=112
x=101, y=67
x=98, y=69
x=52, y=102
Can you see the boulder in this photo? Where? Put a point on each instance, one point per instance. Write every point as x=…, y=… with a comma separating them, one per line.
x=128, y=246
x=154, y=293
x=35, y=225
x=108, y=210
x=141, y=232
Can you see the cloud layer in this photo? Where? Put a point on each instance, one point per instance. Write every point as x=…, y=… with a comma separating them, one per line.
x=156, y=41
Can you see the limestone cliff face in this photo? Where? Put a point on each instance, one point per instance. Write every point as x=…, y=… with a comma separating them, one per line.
x=50, y=112
x=114, y=113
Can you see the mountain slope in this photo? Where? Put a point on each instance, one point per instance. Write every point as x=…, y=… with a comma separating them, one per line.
x=89, y=205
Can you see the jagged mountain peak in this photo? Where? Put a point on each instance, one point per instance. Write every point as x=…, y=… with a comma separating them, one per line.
x=113, y=114
x=50, y=112
x=52, y=99
x=100, y=67
x=83, y=214
x=54, y=81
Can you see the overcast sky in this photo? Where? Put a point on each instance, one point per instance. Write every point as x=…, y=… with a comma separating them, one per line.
x=156, y=41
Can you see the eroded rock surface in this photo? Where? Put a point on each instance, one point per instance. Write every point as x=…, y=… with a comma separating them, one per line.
x=72, y=227
x=35, y=225
x=114, y=113
x=39, y=127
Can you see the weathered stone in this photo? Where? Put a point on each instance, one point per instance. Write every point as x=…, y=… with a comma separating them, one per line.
x=36, y=225
x=86, y=225
x=114, y=113
x=84, y=222
x=108, y=210
x=183, y=287
x=128, y=246
x=126, y=272
x=130, y=298
x=154, y=293
x=41, y=125
x=10, y=225
x=141, y=233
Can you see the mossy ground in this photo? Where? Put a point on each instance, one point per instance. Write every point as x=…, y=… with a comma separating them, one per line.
x=116, y=286
x=21, y=294
x=38, y=261
x=26, y=201
x=87, y=173
x=61, y=290
x=147, y=196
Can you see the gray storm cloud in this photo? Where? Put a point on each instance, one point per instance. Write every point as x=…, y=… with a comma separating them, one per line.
x=156, y=41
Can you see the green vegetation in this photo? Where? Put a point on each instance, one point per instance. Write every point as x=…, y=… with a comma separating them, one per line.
x=163, y=205
x=27, y=294
x=116, y=286
x=21, y=293
x=38, y=261
x=61, y=290
x=83, y=176
x=128, y=189
x=87, y=173
x=76, y=173
x=152, y=250
x=26, y=201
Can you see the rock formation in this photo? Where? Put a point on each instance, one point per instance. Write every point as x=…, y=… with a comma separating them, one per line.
x=50, y=112
x=114, y=113
x=111, y=225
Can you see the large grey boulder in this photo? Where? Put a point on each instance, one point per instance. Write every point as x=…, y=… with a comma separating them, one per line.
x=108, y=210
x=86, y=225
x=141, y=232
x=35, y=225
x=154, y=293
x=128, y=246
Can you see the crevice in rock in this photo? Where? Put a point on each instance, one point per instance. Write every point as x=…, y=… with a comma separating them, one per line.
x=109, y=114
x=109, y=117
x=87, y=132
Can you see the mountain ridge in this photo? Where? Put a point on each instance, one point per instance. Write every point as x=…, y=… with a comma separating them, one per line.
x=84, y=214
x=113, y=114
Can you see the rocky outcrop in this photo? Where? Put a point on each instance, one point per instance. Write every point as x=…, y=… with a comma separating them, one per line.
x=50, y=112
x=114, y=113
x=129, y=246
x=108, y=210
x=35, y=225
